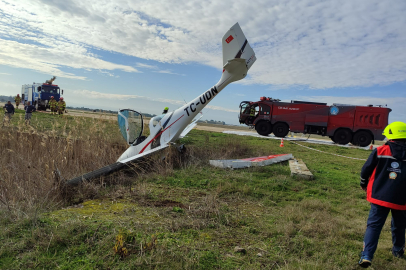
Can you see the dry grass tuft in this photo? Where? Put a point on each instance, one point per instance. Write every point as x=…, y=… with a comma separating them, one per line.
x=34, y=164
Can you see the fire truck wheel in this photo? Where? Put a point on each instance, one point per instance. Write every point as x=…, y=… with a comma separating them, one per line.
x=263, y=128
x=332, y=138
x=342, y=136
x=280, y=130
x=362, y=138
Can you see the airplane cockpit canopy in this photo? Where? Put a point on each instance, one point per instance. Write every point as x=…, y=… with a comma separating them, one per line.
x=155, y=120
x=131, y=125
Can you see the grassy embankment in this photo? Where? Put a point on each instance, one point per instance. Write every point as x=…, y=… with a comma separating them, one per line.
x=179, y=213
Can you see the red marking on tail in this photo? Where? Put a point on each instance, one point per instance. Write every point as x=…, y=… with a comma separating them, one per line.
x=229, y=39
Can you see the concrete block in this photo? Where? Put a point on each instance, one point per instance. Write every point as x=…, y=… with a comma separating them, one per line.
x=299, y=168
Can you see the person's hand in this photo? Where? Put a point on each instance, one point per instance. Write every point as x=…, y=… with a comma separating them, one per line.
x=364, y=189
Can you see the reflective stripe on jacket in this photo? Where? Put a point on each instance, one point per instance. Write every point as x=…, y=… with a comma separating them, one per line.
x=61, y=105
x=384, y=175
x=53, y=103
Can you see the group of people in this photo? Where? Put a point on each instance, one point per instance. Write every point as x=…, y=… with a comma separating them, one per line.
x=9, y=112
x=57, y=107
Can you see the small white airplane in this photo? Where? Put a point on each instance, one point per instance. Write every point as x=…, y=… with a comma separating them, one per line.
x=165, y=129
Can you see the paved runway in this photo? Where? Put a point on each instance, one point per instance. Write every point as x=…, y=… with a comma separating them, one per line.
x=296, y=139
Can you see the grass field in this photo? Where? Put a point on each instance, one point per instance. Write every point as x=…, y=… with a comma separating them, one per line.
x=177, y=212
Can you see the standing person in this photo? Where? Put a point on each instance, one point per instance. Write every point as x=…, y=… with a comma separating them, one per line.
x=8, y=112
x=28, y=112
x=251, y=118
x=61, y=106
x=52, y=105
x=17, y=100
x=383, y=177
x=166, y=109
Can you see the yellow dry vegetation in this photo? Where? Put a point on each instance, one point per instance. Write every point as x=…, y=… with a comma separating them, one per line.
x=94, y=209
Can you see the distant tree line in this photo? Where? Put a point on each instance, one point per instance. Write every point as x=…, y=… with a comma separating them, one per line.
x=103, y=111
x=6, y=98
x=212, y=122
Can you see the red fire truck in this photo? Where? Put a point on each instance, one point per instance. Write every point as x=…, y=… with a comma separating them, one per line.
x=359, y=125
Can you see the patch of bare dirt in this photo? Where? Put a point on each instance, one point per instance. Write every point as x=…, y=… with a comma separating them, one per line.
x=169, y=203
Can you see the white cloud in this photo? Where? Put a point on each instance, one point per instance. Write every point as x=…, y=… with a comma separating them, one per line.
x=98, y=95
x=49, y=60
x=169, y=72
x=156, y=69
x=142, y=65
x=315, y=43
x=8, y=74
x=9, y=89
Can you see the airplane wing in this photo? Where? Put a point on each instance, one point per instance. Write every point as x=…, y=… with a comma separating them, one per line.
x=112, y=167
x=144, y=154
x=189, y=127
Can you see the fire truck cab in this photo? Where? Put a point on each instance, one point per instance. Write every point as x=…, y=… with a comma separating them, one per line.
x=359, y=125
x=39, y=94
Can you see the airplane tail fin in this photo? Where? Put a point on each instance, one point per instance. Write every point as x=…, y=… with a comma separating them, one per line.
x=236, y=46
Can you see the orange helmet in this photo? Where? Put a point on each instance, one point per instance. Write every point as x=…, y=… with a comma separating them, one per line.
x=61, y=98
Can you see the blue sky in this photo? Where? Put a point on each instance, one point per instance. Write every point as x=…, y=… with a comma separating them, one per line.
x=146, y=55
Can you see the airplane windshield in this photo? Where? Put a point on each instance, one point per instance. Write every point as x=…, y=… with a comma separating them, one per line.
x=131, y=125
x=155, y=120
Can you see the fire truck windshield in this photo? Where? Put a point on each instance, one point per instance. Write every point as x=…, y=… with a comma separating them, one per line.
x=50, y=89
x=243, y=106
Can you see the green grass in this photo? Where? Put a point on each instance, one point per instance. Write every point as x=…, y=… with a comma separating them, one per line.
x=189, y=215
x=61, y=124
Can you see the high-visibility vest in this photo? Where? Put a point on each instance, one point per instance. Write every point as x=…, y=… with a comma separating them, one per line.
x=61, y=105
x=52, y=103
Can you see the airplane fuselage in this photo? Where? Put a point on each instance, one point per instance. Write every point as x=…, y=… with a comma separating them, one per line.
x=238, y=57
x=171, y=125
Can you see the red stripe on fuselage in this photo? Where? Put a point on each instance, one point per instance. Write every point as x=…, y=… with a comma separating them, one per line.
x=158, y=135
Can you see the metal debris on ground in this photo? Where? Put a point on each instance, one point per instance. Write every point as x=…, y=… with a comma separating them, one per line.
x=299, y=169
x=250, y=162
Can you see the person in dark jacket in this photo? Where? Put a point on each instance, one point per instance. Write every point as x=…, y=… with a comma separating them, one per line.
x=383, y=177
x=28, y=112
x=8, y=112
